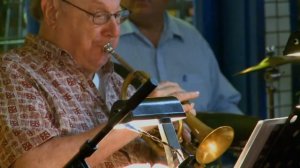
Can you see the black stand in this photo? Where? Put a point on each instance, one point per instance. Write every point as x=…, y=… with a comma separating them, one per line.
x=168, y=134
x=189, y=162
x=120, y=110
x=282, y=148
x=271, y=75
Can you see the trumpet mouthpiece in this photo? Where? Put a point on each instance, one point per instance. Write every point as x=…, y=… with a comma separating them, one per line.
x=108, y=48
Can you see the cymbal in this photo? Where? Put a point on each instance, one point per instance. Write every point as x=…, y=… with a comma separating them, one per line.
x=269, y=62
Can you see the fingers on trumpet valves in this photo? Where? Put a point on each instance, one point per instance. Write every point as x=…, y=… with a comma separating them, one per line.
x=189, y=108
x=184, y=96
x=186, y=133
x=173, y=89
x=167, y=89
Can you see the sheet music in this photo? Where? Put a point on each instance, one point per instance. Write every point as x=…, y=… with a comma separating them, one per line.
x=257, y=141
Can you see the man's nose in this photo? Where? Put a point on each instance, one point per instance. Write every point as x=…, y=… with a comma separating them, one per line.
x=112, y=27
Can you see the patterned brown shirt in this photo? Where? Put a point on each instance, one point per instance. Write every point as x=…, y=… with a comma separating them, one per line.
x=44, y=94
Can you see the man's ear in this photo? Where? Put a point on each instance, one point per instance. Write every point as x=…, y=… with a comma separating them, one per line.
x=50, y=11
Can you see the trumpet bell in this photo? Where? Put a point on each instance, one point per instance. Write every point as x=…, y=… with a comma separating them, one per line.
x=214, y=144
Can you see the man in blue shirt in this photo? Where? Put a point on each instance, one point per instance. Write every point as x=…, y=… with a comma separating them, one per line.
x=170, y=49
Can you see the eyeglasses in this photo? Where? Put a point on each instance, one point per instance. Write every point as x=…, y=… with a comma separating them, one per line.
x=101, y=18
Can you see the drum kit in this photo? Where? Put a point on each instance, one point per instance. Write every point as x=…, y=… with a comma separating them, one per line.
x=243, y=124
x=270, y=64
x=271, y=74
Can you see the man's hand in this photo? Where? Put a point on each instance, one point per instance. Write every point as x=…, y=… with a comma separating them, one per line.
x=173, y=89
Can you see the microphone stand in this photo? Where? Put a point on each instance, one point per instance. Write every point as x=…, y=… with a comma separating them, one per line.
x=120, y=110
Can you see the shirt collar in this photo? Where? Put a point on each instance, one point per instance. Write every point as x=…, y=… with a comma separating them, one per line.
x=170, y=27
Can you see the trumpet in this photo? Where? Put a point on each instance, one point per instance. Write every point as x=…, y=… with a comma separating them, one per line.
x=212, y=142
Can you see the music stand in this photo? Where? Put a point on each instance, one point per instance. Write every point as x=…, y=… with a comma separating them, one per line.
x=149, y=112
x=273, y=143
x=122, y=108
x=161, y=112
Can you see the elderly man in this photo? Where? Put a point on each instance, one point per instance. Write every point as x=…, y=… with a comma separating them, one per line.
x=49, y=104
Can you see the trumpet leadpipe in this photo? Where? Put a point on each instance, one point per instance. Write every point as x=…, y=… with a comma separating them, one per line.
x=140, y=75
x=109, y=49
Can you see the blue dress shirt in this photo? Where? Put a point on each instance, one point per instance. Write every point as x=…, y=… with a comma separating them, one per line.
x=182, y=56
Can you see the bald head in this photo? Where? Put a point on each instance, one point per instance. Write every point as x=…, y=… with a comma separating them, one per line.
x=70, y=26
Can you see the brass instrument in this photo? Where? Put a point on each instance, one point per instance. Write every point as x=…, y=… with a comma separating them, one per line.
x=141, y=77
x=213, y=143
